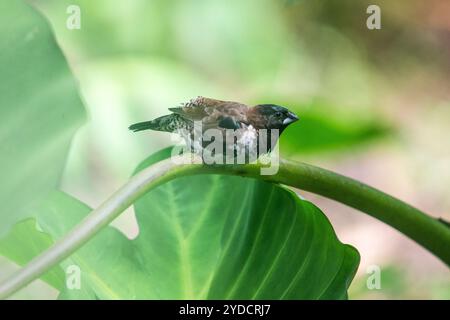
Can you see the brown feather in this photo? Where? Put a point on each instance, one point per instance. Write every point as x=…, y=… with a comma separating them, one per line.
x=256, y=119
x=211, y=111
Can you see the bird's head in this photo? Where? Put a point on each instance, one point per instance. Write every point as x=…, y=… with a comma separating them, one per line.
x=274, y=116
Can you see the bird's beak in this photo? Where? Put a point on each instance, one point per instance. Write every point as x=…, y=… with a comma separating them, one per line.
x=292, y=117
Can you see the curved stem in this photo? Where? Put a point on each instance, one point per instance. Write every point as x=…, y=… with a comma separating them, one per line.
x=425, y=230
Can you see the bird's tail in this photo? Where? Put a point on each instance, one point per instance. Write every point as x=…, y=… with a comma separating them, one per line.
x=166, y=123
x=146, y=125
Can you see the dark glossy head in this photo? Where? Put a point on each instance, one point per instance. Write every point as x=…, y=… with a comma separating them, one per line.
x=276, y=117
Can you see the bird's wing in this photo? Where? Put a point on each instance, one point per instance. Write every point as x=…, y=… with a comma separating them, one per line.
x=194, y=110
x=213, y=113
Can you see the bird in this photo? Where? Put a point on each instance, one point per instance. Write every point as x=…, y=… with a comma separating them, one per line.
x=242, y=128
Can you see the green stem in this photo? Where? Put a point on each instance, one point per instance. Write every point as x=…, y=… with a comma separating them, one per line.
x=425, y=230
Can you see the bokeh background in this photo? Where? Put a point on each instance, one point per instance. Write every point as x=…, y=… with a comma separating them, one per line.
x=374, y=104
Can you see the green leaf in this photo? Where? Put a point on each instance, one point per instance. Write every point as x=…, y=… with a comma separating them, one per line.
x=57, y=215
x=241, y=238
x=24, y=242
x=39, y=108
x=315, y=133
x=214, y=237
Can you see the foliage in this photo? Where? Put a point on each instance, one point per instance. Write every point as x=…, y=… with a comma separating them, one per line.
x=39, y=107
x=199, y=237
x=212, y=237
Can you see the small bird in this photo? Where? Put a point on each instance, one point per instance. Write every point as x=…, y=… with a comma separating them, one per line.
x=242, y=123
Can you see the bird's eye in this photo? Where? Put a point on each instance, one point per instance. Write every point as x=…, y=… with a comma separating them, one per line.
x=278, y=114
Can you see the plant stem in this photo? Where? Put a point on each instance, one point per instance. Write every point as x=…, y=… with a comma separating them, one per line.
x=425, y=230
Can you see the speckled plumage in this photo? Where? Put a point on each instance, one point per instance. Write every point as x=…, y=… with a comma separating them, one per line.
x=229, y=117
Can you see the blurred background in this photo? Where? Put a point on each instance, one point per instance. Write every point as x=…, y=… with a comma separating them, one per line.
x=374, y=104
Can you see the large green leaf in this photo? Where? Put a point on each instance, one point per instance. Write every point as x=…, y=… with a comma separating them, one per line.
x=317, y=132
x=39, y=109
x=241, y=238
x=24, y=242
x=214, y=237
x=57, y=215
